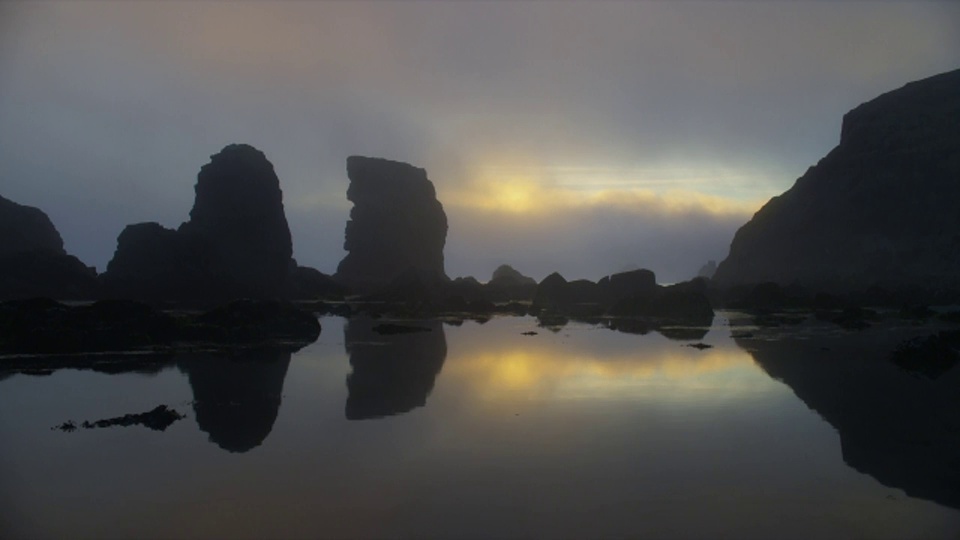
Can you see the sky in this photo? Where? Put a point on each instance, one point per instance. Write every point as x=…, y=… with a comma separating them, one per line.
x=580, y=137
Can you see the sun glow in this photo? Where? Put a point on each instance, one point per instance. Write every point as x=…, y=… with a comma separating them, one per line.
x=532, y=190
x=554, y=371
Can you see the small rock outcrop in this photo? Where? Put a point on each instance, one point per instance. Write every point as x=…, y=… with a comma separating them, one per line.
x=32, y=259
x=507, y=284
x=879, y=210
x=396, y=224
x=236, y=243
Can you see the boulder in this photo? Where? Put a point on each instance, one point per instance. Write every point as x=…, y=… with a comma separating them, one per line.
x=396, y=223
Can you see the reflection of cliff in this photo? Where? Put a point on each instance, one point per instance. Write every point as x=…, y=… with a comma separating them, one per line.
x=901, y=429
x=392, y=374
x=236, y=398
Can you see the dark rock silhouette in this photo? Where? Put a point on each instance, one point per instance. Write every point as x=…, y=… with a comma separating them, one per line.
x=32, y=259
x=238, y=211
x=900, y=428
x=879, y=209
x=396, y=224
x=158, y=419
x=640, y=282
x=392, y=373
x=236, y=398
x=551, y=293
x=507, y=284
x=25, y=228
x=153, y=263
x=307, y=283
x=236, y=243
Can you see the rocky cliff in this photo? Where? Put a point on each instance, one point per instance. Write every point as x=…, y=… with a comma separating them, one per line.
x=396, y=224
x=880, y=209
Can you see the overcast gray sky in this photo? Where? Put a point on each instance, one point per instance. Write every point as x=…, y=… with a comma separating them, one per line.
x=584, y=137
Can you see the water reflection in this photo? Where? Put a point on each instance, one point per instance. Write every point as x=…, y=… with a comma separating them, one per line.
x=236, y=398
x=900, y=428
x=392, y=374
x=595, y=364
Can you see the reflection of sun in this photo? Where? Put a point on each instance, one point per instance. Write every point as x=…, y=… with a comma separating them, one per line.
x=514, y=371
x=531, y=372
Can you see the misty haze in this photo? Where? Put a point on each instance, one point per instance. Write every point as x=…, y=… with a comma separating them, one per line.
x=479, y=269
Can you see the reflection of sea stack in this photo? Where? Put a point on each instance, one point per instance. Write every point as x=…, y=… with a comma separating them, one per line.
x=236, y=244
x=396, y=224
x=33, y=261
x=236, y=399
x=901, y=429
x=879, y=209
x=392, y=374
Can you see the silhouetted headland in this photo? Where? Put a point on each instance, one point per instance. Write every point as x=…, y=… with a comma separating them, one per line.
x=878, y=213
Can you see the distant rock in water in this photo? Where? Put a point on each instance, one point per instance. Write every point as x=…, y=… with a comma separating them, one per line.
x=396, y=224
x=236, y=244
x=879, y=210
x=32, y=259
x=508, y=284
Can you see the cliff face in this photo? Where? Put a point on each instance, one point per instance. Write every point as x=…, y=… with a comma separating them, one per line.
x=32, y=259
x=396, y=224
x=879, y=209
x=236, y=244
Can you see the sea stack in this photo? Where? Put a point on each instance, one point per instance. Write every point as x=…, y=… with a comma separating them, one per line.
x=396, y=224
x=236, y=243
x=32, y=259
x=879, y=210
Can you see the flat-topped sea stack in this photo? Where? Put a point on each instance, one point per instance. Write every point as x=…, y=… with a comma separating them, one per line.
x=396, y=224
x=236, y=243
x=880, y=210
x=32, y=259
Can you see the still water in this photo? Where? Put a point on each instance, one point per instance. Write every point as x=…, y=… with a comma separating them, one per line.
x=479, y=431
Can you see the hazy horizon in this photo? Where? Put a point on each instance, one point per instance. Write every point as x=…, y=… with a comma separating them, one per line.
x=584, y=138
